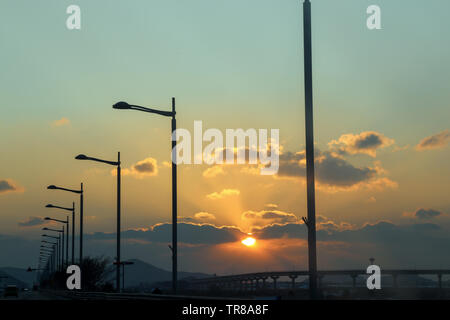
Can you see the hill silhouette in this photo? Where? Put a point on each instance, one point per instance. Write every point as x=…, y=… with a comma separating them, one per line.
x=142, y=273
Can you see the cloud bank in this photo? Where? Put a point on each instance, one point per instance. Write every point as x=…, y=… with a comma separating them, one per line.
x=364, y=143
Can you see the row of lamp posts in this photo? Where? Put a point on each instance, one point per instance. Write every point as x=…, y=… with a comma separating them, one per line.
x=52, y=253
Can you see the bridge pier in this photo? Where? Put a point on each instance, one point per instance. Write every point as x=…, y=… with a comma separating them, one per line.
x=257, y=284
x=320, y=277
x=293, y=277
x=264, y=282
x=394, y=278
x=274, y=278
x=354, y=276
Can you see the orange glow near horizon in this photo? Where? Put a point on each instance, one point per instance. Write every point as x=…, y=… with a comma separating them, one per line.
x=249, y=241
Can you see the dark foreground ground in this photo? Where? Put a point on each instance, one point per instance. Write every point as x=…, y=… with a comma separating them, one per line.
x=299, y=294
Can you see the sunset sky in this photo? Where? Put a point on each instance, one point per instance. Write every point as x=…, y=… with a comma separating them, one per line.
x=382, y=110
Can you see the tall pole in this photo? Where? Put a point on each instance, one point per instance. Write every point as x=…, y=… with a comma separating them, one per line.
x=73, y=232
x=62, y=258
x=67, y=240
x=118, y=225
x=311, y=221
x=174, y=201
x=123, y=276
x=59, y=251
x=81, y=224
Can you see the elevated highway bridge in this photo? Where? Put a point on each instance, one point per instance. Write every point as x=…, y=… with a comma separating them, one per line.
x=250, y=281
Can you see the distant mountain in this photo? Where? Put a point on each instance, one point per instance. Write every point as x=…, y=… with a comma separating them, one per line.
x=137, y=274
x=16, y=276
x=142, y=273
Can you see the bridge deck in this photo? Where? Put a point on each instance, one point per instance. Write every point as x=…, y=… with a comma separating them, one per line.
x=353, y=272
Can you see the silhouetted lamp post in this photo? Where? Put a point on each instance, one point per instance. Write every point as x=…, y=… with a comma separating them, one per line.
x=117, y=164
x=61, y=234
x=73, y=226
x=81, y=193
x=56, y=251
x=51, y=252
x=125, y=106
x=67, y=235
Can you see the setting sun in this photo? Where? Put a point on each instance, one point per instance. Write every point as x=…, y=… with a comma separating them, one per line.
x=249, y=241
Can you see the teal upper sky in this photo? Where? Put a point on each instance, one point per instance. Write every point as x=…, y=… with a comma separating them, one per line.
x=229, y=63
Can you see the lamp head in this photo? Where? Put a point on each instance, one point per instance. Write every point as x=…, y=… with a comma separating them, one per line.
x=51, y=187
x=121, y=105
x=49, y=206
x=45, y=229
x=81, y=157
x=47, y=218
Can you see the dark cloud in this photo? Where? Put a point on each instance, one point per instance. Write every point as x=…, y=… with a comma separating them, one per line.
x=277, y=231
x=369, y=142
x=339, y=172
x=6, y=186
x=199, y=217
x=439, y=140
x=265, y=217
x=188, y=232
x=209, y=248
x=145, y=167
x=32, y=222
x=382, y=232
x=330, y=170
x=426, y=213
x=365, y=143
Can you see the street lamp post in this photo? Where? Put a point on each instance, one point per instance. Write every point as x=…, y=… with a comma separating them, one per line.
x=56, y=252
x=49, y=256
x=67, y=235
x=73, y=226
x=81, y=193
x=125, y=106
x=61, y=239
x=49, y=252
x=117, y=164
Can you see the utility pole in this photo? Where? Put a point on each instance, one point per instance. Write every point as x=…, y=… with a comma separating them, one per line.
x=310, y=221
x=174, y=201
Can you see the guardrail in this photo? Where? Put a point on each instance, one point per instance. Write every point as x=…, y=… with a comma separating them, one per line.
x=81, y=295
